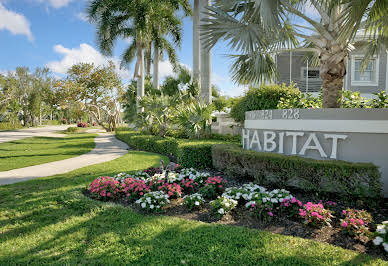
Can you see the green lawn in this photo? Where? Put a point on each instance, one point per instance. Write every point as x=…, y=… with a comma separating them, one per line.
x=49, y=220
x=39, y=150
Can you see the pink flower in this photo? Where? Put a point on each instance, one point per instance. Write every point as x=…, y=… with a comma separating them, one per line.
x=344, y=224
x=314, y=214
x=360, y=221
x=352, y=221
x=270, y=214
x=343, y=212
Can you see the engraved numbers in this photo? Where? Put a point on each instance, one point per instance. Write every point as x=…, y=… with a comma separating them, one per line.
x=290, y=114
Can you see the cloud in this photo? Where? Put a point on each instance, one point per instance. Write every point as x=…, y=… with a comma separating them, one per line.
x=56, y=3
x=15, y=23
x=84, y=54
x=82, y=16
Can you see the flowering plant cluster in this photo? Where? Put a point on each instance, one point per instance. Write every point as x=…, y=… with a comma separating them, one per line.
x=104, y=188
x=134, y=188
x=196, y=176
x=214, y=186
x=189, y=185
x=222, y=206
x=236, y=193
x=153, y=201
x=291, y=206
x=173, y=190
x=355, y=223
x=315, y=214
x=193, y=201
x=382, y=236
x=82, y=124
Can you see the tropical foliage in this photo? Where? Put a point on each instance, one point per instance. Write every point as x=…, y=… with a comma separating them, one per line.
x=260, y=29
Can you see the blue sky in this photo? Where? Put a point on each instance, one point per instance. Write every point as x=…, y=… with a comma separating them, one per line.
x=54, y=33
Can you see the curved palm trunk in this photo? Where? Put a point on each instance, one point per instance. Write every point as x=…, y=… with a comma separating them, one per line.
x=196, y=44
x=140, y=79
x=205, y=61
x=332, y=71
x=155, y=78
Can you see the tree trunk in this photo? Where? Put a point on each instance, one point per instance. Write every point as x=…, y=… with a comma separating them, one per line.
x=155, y=78
x=205, y=61
x=196, y=43
x=332, y=72
x=140, y=79
x=149, y=60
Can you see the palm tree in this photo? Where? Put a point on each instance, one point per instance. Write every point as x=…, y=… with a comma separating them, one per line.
x=261, y=28
x=132, y=20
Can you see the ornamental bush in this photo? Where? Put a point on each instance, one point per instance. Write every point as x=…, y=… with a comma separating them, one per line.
x=193, y=201
x=198, y=156
x=355, y=223
x=222, y=206
x=172, y=190
x=265, y=97
x=382, y=236
x=153, y=201
x=82, y=124
x=315, y=214
x=134, y=188
x=214, y=186
x=346, y=178
x=104, y=188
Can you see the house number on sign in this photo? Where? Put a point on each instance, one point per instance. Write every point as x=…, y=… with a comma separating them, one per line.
x=290, y=114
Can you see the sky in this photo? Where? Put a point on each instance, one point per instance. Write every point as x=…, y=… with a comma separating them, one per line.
x=56, y=34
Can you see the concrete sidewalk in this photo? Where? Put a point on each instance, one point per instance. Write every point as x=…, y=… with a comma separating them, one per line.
x=107, y=148
x=46, y=131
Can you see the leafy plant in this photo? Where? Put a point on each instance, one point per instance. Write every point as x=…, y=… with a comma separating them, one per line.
x=315, y=214
x=381, y=236
x=356, y=223
x=193, y=201
x=222, y=206
x=153, y=201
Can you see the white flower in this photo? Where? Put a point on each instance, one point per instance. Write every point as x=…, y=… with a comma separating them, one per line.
x=378, y=240
x=381, y=231
x=385, y=222
x=152, y=206
x=385, y=245
x=380, y=226
x=274, y=200
x=158, y=207
x=227, y=205
x=143, y=205
x=221, y=211
x=196, y=203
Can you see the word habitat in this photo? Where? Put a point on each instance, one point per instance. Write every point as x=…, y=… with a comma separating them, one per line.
x=292, y=142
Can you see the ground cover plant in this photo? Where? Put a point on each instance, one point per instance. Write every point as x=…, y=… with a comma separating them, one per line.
x=214, y=199
x=39, y=150
x=49, y=220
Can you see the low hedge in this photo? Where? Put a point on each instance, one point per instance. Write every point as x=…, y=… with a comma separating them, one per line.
x=9, y=126
x=346, y=178
x=186, y=152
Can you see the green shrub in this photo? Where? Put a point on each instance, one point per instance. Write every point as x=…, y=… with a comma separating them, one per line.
x=9, y=125
x=264, y=98
x=51, y=122
x=72, y=129
x=196, y=156
x=188, y=153
x=346, y=178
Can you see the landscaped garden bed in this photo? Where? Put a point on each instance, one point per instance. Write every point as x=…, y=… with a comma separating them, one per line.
x=213, y=197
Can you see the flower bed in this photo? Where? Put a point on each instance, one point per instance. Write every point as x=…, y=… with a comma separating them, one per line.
x=212, y=197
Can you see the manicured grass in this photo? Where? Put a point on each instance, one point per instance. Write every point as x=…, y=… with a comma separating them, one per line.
x=50, y=221
x=39, y=150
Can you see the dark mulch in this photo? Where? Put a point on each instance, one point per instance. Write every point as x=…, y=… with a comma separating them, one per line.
x=282, y=224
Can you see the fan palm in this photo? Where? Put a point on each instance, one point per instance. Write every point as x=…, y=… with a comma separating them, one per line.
x=260, y=28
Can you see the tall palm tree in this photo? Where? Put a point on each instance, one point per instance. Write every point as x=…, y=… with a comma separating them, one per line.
x=205, y=57
x=196, y=44
x=261, y=28
x=132, y=20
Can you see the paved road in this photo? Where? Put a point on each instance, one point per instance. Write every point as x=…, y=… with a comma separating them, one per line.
x=107, y=148
x=47, y=131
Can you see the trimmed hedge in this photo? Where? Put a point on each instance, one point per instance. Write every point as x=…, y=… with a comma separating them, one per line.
x=9, y=126
x=353, y=179
x=186, y=152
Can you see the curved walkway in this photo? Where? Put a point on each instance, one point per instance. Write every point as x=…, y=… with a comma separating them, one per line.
x=107, y=148
x=45, y=131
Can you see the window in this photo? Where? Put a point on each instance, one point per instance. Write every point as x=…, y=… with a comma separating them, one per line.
x=368, y=77
x=313, y=73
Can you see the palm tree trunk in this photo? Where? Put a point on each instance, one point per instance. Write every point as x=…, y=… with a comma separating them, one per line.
x=332, y=71
x=196, y=43
x=148, y=56
x=140, y=79
x=205, y=61
x=156, y=67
